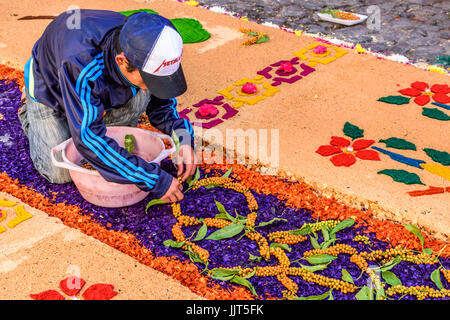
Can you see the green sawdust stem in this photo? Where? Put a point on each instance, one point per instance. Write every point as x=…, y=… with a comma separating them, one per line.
x=435, y=114
x=438, y=156
x=395, y=100
x=402, y=176
x=398, y=143
x=353, y=131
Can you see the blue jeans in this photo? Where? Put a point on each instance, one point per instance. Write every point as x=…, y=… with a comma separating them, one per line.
x=45, y=130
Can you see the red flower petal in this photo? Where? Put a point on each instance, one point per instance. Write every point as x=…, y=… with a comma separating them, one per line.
x=328, y=150
x=368, y=155
x=71, y=285
x=422, y=100
x=441, y=98
x=339, y=142
x=343, y=159
x=440, y=88
x=419, y=85
x=47, y=295
x=362, y=144
x=411, y=92
x=99, y=291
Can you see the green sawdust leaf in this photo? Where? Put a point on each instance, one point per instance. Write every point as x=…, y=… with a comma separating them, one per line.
x=391, y=279
x=402, y=176
x=399, y=143
x=395, y=100
x=353, y=131
x=438, y=156
x=263, y=39
x=191, y=30
x=435, y=113
x=130, y=12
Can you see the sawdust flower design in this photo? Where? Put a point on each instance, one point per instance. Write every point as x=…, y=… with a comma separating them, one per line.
x=423, y=93
x=345, y=153
x=71, y=286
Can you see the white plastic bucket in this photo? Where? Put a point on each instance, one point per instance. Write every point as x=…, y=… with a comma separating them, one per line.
x=92, y=186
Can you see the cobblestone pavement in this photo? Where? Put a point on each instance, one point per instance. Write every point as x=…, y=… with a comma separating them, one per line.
x=417, y=29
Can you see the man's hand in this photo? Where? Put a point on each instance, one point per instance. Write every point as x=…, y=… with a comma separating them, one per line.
x=174, y=193
x=186, y=162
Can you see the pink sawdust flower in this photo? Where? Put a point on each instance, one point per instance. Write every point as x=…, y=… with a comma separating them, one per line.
x=207, y=110
x=249, y=88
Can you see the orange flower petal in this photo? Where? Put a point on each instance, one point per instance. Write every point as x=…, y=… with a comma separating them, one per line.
x=343, y=159
x=328, y=150
x=99, y=291
x=362, y=144
x=422, y=100
x=47, y=295
x=339, y=142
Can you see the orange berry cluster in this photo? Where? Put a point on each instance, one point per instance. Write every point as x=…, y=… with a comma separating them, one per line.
x=202, y=253
x=317, y=226
x=290, y=285
x=251, y=219
x=269, y=271
x=307, y=275
x=264, y=250
x=359, y=261
x=333, y=250
x=176, y=210
x=446, y=274
x=285, y=237
x=404, y=254
x=188, y=220
x=421, y=292
x=216, y=223
x=281, y=256
x=212, y=180
x=177, y=232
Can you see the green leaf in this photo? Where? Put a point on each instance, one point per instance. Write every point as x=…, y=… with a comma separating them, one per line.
x=223, y=214
x=435, y=113
x=390, y=278
x=173, y=244
x=342, y=225
x=304, y=230
x=353, y=131
x=228, y=173
x=326, y=234
x=395, y=100
x=245, y=283
x=436, y=278
x=390, y=264
x=129, y=143
x=402, y=176
x=226, y=232
x=263, y=224
x=346, y=276
x=320, y=258
x=438, y=156
x=398, y=143
x=315, y=243
x=326, y=244
x=251, y=274
x=413, y=229
x=190, y=181
x=263, y=39
x=223, y=274
x=364, y=294
x=323, y=296
x=283, y=246
x=317, y=267
x=201, y=232
x=428, y=251
x=153, y=203
x=254, y=258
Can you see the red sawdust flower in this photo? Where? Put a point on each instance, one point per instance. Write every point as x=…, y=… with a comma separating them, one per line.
x=423, y=93
x=344, y=151
x=72, y=286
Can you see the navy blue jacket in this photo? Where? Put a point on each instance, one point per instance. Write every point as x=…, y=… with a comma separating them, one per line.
x=74, y=72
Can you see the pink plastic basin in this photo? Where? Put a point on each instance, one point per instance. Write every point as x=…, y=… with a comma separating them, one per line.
x=92, y=186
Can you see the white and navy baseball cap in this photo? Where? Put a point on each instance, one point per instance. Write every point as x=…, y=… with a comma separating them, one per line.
x=152, y=44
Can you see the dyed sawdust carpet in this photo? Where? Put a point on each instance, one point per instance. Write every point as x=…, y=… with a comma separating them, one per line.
x=248, y=236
